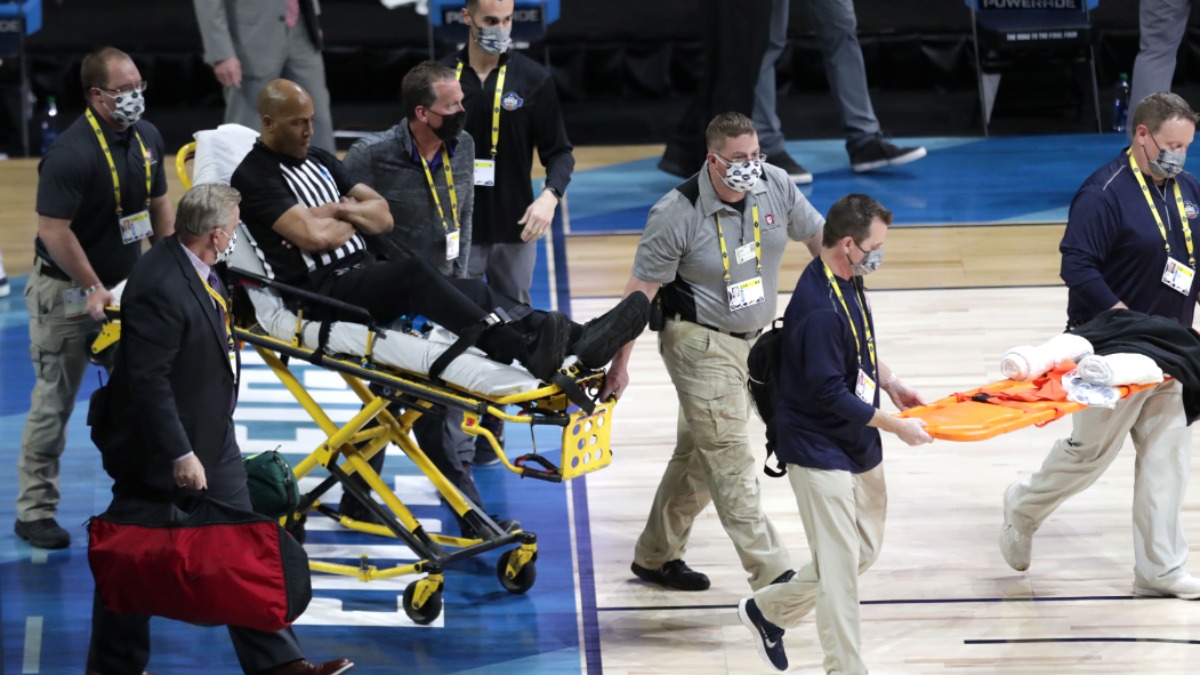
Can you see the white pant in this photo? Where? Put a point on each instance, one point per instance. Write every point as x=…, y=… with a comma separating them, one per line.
x=843, y=516
x=1155, y=419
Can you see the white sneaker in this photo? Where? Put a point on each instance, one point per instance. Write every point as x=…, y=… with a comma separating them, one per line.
x=1186, y=587
x=1015, y=546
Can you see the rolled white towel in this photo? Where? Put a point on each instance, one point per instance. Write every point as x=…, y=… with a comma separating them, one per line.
x=1117, y=369
x=1027, y=362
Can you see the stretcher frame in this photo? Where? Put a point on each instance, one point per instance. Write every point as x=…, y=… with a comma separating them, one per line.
x=384, y=391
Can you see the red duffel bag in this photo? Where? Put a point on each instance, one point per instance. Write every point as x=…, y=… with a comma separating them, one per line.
x=213, y=565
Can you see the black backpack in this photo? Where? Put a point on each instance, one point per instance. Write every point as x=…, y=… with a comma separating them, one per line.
x=763, y=366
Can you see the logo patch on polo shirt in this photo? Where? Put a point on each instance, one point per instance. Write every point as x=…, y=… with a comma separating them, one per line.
x=769, y=219
x=153, y=160
x=1191, y=210
x=511, y=101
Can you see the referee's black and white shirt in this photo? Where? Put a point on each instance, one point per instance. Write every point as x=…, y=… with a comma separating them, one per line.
x=271, y=184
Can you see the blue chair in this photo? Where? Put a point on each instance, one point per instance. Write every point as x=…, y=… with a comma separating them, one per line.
x=530, y=18
x=1005, y=33
x=18, y=20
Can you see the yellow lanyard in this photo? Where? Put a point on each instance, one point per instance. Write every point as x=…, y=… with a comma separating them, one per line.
x=112, y=167
x=862, y=307
x=495, y=103
x=757, y=245
x=220, y=300
x=449, y=185
x=1183, y=219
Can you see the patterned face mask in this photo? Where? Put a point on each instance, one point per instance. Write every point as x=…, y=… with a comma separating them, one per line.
x=493, y=40
x=870, y=262
x=127, y=107
x=1169, y=162
x=223, y=256
x=741, y=176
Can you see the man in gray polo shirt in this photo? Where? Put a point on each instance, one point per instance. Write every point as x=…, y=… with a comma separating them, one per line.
x=712, y=249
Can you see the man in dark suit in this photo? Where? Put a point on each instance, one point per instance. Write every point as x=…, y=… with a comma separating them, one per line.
x=164, y=424
x=249, y=43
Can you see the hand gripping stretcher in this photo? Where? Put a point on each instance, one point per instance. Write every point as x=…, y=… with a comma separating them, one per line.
x=388, y=371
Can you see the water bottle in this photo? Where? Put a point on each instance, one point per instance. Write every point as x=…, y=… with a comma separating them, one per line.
x=1121, y=104
x=49, y=123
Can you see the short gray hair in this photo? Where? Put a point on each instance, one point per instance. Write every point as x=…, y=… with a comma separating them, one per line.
x=1158, y=108
x=205, y=208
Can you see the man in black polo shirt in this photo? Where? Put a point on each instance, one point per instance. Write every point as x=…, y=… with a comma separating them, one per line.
x=101, y=191
x=512, y=109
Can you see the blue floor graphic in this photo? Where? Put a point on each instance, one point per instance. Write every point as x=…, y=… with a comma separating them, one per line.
x=1027, y=179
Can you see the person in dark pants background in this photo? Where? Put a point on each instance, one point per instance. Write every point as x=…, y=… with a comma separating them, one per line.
x=735, y=40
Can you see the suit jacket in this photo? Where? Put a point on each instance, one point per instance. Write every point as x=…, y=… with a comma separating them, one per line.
x=253, y=31
x=172, y=384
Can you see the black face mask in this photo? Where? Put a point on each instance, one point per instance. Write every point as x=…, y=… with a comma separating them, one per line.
x=452, y=125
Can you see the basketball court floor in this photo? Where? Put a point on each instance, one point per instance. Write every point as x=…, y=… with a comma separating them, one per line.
x=970, y=270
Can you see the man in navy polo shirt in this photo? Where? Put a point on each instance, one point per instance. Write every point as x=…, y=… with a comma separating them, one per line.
x=829, y=422
x=1128, y=245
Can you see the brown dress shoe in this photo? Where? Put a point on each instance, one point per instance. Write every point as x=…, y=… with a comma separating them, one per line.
x=304, y=667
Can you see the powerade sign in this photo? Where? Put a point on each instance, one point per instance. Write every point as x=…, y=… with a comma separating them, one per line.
x=1030, y=4
x=521, y=15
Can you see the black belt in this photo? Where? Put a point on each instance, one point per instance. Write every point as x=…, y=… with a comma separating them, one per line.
x=748, y=335
x=49, y=269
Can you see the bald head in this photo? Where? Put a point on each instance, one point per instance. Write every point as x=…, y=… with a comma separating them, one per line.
x=286, y=110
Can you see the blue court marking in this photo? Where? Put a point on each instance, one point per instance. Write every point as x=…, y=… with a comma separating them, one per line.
x=1027, y=179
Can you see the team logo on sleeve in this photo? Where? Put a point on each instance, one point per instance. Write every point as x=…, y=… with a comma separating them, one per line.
x=511, y=101
x=1191, y=210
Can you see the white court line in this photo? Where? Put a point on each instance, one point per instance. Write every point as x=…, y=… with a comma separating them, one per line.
x=33, y=645
x=39, y=556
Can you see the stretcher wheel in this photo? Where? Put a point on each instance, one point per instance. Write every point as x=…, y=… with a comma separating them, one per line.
x=525, y=578
x=426, y=613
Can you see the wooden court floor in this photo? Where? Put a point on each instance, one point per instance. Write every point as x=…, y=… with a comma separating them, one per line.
x=949, y=302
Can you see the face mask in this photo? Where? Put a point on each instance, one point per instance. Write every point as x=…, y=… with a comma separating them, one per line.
x=223, y=256
x=494, y=40
x=870, y=262
x=127, y=108
x=1169, y=162
x=452, y=125
x=741, y=176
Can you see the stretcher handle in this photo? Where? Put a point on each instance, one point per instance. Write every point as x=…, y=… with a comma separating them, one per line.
x=343, y=311
x=548, y=472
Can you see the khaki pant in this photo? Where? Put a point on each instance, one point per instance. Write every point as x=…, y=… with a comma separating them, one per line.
x=843, y=515
x=59, y=349
x=1156, y=421
x=713, y=460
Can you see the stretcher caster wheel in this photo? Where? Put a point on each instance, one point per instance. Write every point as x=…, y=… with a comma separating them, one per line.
x=430, y=609
x=525, y=577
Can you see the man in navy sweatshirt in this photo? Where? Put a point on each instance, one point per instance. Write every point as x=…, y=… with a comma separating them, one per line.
x=1128, y=245
x=829, y=422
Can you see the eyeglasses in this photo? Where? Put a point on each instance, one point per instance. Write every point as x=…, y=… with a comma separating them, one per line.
x=743, y=159
x=127, y=89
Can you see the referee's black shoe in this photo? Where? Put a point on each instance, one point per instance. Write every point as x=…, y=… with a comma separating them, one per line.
x=602, y=337
x=673, y=574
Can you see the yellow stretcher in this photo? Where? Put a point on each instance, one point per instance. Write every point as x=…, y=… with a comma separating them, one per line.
x=392, y=400
x=997, y=408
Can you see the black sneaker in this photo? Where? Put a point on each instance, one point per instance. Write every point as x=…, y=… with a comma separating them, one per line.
x=796, y=173
x=44, y=533
x=767, y=636
x=878, y=153
x=674, y=574
x=604, y=336
x=544, y=352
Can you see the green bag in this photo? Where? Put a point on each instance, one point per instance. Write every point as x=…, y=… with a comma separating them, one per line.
x=273, y=490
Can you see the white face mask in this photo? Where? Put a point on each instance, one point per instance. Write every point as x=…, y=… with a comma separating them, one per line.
x=741, y=176
x=223, y=256
x=127, y=107
x=493, y=40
